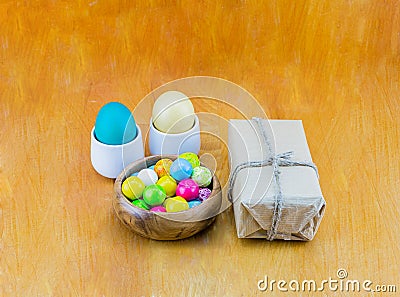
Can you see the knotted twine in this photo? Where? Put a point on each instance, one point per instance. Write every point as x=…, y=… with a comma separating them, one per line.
x=274, y=160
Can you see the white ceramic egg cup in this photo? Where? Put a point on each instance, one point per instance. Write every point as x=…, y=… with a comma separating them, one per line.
x=110, y=160
x=161, y=143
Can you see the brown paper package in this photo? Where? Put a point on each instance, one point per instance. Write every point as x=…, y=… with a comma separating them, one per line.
x=253, y=193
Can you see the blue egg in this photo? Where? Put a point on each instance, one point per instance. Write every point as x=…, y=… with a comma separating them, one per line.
x=194, y=203
x=115, y=124
x=181, y=169
x=151, y=167
x=135, y=174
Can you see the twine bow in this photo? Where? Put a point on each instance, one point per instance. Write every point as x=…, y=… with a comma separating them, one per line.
x=274, y=160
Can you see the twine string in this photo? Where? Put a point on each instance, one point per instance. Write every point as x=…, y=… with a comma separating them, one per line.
x=274, y=160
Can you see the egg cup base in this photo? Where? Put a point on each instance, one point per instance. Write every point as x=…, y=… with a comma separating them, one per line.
x=161, y=143
x=110, y=160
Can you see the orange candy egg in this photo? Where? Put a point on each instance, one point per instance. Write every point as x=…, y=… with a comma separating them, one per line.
x=162, y=167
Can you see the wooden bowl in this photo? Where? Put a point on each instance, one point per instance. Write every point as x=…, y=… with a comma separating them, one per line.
x=165, y=225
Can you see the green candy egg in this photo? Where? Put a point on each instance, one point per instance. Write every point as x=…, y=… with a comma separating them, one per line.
x=154, y=195
x=202, y=176
x=192, y=158
x=140, y=203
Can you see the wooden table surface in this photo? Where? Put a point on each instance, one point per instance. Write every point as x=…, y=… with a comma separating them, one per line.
x=333, y=64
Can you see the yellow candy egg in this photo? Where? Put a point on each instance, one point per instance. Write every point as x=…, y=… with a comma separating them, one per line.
x=133, y=187
x=168, y=184
x=176, y=204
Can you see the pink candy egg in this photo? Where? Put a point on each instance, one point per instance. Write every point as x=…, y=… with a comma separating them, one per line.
x=158, y=209
x=187, y=189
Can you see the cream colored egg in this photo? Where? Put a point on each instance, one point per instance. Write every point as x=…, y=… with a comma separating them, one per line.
x=173, y=113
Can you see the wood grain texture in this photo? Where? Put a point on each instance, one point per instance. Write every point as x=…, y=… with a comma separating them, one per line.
x=333, y=64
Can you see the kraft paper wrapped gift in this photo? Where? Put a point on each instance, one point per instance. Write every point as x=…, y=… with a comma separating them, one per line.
x=290, y=208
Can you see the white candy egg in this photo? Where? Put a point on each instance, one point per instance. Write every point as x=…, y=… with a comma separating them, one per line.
x=148, y=176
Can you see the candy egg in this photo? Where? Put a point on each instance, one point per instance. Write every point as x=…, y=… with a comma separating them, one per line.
x=181, y=169
x=204, y=193
x=168, y=184
x=194, y=203
x=162, y=167
x=173, y=113
x=187, y=189
x=148, y=176
x=133, y=187
x=176, y=204
x=192, y=158
x=202, y=176
x=154, y=195
x=140, y=203
x=115, y=124
x=135, y=174
x=151, y=167
x=158, y=209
